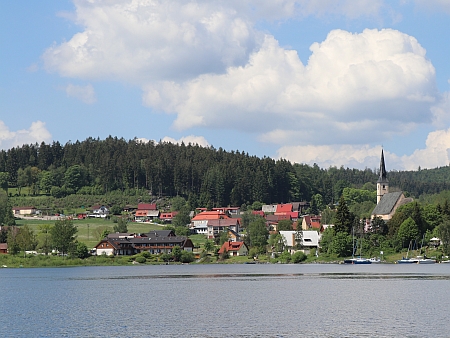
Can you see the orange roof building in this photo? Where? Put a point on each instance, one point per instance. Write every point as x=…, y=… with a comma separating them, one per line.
x=234, y=248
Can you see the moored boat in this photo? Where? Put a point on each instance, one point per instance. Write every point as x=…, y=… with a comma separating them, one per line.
x=425, y=260
x=357, y=260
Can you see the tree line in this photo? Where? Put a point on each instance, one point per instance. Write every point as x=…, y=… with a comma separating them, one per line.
x=206, y=176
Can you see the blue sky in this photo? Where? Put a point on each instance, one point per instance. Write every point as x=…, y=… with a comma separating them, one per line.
x=327, y=82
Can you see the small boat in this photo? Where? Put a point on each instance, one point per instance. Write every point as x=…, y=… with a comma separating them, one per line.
x=406, y=260
x=357, y=260
x=425, y=260
x=375, y=260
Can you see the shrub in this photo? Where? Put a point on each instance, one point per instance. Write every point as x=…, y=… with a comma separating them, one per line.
x=298, y=257
x=141, y=259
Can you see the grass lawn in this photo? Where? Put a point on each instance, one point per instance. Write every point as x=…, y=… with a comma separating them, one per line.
x=90, y=230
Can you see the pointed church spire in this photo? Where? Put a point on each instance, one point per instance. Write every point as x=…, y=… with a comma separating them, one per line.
x=382, y=177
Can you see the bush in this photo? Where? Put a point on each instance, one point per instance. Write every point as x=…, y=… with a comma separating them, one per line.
x=298, y=257
x=141, y=259
x=187, y=257
x=285, y=257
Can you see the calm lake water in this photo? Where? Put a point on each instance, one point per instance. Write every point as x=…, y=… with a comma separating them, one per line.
x=317, y=300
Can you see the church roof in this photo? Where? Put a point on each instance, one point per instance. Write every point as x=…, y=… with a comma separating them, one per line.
x=382, y=177
x=387, y=203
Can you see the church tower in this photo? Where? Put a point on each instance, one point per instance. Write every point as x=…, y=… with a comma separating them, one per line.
x=382, y=183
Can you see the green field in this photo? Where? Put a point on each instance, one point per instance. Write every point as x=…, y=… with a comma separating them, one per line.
x=90, y=230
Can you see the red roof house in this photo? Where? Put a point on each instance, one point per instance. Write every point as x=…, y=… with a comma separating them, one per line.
x=283, y=208
x=234, y=248
x=311, y=222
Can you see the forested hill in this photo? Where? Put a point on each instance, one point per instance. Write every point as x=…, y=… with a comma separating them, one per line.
x=212, y=177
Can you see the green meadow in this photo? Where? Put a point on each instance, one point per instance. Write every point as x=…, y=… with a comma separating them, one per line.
x=90, y=230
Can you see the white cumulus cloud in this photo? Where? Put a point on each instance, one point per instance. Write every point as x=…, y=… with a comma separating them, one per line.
x=37, y=132
x=352, y=84
x=85, y=94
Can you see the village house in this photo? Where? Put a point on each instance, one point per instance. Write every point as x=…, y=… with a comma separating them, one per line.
x=167, y=216
x=234, y=248
x=311, y=222
x=99, y=211
x=146, y=212
x=22, y=211
x=216, y=226
x=310, y=240
x=3, y=248
x=154, y=242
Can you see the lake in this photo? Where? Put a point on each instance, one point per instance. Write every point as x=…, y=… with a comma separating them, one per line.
x=240, y=300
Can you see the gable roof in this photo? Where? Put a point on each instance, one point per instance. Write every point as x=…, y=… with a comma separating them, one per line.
x=147, y=206
x=231, y=246
x=312, y=221
x=207, y=215
x=223, y=222
x=387, y=203
x=284, y=208
x=23, y=208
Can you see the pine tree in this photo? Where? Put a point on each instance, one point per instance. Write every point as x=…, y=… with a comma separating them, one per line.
x=344, y=218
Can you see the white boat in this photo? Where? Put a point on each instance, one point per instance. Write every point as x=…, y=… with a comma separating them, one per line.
x=357, y=260
x=406, y=260
x=425, y=260
x=375, y=260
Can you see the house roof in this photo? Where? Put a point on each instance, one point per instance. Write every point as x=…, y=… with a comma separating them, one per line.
x=269, y=208
x=170, y=214
x=147, y=206
x=284, y=208
x=231, y=246
x=23, y=208
x=209, y=215
x=162, y=233
x=312, y=221
x=3, y=246
x=223, y=222
x=141, y=213
x=276, y=218
x=151, y=239
x=258, y=212
x=387, y=203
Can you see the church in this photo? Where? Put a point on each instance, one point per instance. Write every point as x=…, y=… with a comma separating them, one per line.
x=387, y=202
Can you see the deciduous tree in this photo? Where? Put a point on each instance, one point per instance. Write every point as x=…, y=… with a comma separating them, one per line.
x=63, y=235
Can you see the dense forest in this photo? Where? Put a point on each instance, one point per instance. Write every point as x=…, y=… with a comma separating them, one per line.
x=207, y=177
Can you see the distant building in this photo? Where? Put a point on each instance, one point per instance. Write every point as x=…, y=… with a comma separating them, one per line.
x=387, y=202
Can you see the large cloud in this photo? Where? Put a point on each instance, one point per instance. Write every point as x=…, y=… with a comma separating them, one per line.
x=36, y=133
x=143, y=40
x=352, y=85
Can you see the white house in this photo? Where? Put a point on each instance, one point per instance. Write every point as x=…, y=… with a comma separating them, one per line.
x=310, y=240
